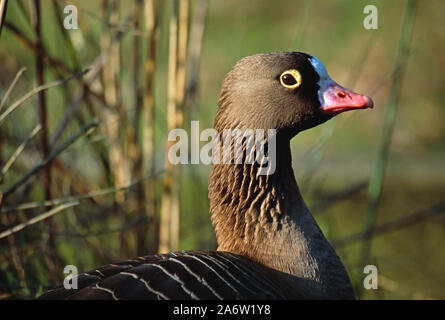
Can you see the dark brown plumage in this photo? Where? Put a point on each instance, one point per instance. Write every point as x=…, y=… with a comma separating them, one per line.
x=269, y=245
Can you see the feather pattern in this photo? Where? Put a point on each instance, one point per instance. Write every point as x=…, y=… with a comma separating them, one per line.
x=181, y=275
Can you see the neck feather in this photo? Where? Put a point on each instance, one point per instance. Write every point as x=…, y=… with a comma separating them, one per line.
x=266, y=219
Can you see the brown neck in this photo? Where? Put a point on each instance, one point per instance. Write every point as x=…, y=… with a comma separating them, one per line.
x=265, y=219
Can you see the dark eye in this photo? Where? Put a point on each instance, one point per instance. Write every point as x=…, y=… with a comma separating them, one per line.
x=290, y=78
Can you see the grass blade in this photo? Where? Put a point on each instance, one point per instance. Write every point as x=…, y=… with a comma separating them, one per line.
x=11, y=87
x=35, y=91
x=3, y=7
x=19, y=150
x=39, y=218
x=51, y=156
x=102, y=192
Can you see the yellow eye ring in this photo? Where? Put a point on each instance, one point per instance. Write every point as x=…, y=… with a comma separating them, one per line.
x=290, y=79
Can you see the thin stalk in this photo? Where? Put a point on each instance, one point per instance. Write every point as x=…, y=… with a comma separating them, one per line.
x=389, y=118
x=93, y=194
x=184, y=14
x=325, y=201
x=118, y=160
x=15, y=257
x=54, y=63
x=19, y=150
x=151, y=26
x=134, y=144
x=44, y=135
x=3, y=7
x=36, y=219
x=95, y=70
x=195, y=50
x=24, y=14
x=11, y=87
x=35, y=91
x=184, y=17
x=72, y=54
x=42, y=97
x=113, y=114
x=397, y=224
x=166, y=203
x=3, y=102
x=84, y=131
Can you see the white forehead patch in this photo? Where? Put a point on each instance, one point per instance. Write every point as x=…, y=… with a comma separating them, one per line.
x=325, y=79
x=319, y=68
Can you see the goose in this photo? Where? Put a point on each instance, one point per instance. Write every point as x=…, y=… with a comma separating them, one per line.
x=269, y=244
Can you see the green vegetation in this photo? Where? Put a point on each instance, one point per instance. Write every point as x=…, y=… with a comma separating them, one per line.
x=75, y=158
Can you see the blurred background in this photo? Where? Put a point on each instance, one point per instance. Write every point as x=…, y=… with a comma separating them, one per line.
x=84, y=179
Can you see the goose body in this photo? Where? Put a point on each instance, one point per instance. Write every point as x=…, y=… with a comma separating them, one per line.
x=181, y=275
x=269, y=245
